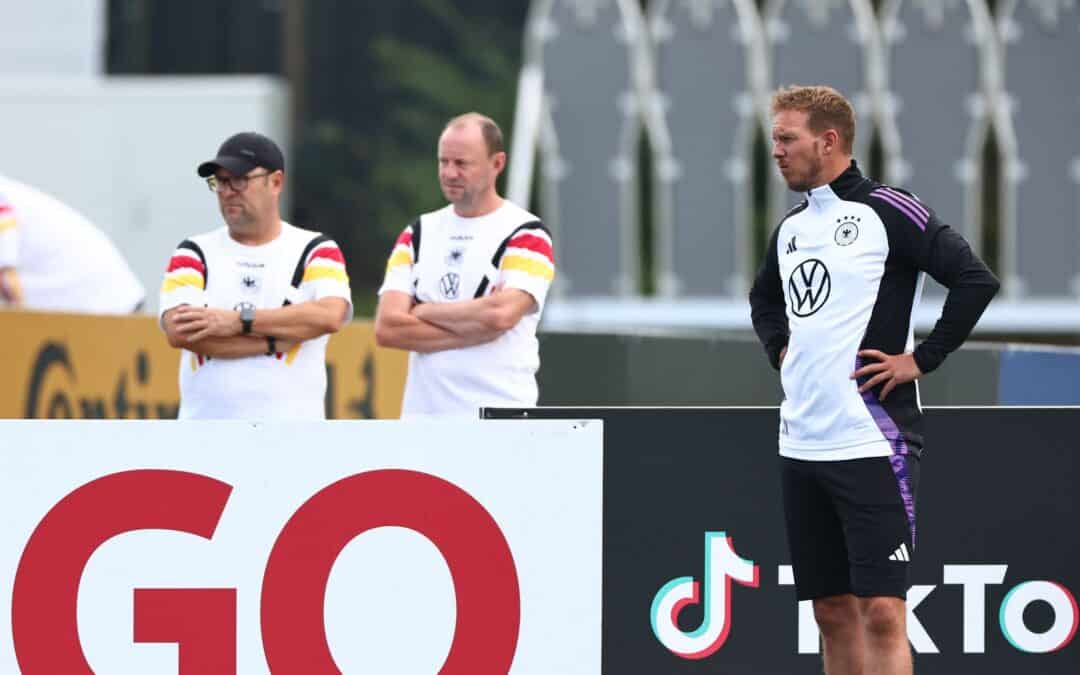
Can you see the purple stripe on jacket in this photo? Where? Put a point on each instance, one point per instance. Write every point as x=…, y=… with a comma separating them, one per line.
x=909, y=200
x=898, y=459
x=910, y=208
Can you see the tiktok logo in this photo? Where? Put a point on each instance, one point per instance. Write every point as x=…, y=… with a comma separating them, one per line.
x=722, y=565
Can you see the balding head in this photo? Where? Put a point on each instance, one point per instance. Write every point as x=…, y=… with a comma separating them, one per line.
x=470, y=161
x=492, y=134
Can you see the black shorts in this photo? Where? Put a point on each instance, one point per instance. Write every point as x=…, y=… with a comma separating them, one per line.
x=851, y=525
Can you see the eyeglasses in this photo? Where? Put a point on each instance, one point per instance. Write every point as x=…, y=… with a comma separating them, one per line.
x=234, y=183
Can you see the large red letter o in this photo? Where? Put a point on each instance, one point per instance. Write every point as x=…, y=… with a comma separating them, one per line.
x=481, y=565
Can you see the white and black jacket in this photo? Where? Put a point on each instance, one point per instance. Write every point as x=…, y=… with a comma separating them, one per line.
x=844, y=272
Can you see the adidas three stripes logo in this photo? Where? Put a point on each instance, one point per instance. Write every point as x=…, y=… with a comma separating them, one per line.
x=901, y=554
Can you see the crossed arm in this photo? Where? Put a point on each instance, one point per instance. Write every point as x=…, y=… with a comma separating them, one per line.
x=219, y=333
x=10, y=287
x=434, y=327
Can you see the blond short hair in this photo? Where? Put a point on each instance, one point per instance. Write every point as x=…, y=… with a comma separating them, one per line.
x=825, y=107
x=493, y=136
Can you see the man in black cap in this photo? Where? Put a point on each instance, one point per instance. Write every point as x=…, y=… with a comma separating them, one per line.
x=254, y=331
x=252, y=215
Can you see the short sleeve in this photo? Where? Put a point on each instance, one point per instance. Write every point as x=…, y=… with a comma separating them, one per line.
x=9, y=242
x=400, y=265
x=529, y=262
x=185, y=278
x=325, y=275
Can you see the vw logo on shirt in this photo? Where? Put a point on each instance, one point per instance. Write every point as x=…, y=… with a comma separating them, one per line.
x=808, y=287
x=449, y=285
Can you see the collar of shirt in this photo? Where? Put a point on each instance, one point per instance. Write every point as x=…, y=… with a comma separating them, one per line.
x=821, y=197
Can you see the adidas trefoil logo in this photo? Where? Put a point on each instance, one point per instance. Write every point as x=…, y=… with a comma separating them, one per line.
x=901, y=554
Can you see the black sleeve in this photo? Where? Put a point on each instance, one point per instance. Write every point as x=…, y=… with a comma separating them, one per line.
x=942, y=252
x=767, y=307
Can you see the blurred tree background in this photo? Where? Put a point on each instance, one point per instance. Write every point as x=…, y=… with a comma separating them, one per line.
x=372, y=85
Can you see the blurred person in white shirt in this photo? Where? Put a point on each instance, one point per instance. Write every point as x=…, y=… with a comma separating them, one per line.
x=53, y=259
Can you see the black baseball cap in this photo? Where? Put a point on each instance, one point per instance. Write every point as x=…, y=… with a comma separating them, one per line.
x=242, y=152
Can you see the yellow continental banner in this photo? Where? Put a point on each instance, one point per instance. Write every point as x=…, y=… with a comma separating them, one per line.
x=120, y=367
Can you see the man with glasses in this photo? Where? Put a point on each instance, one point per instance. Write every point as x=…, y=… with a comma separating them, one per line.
x=252, y=304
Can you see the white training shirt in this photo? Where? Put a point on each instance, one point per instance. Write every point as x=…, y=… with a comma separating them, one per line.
x=65, y=263
x=843, y=273
x=214, y=270
x=443, y=257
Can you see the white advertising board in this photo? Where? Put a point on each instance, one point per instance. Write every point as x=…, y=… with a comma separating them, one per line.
x=359, y=547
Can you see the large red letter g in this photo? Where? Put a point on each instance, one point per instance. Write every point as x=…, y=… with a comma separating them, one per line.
x=43, y=609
